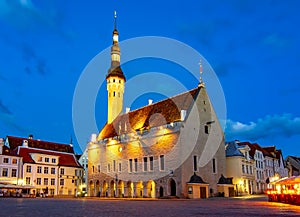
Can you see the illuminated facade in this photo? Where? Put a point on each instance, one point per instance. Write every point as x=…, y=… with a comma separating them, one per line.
x=157, y=150
x=48, y=169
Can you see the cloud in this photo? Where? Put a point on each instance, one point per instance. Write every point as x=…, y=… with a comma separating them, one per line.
x=270, y=126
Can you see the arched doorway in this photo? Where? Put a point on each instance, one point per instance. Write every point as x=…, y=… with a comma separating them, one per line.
x=105, y=189
x=92, y=189
x=130, y=189
x=161, y=191
x=173, y=187
x=120, y=188
x=139, y=189
x=98, y=188
x=112, y=189
x=151, y=189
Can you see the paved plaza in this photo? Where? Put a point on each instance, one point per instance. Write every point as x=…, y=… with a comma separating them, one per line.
x=103, y=207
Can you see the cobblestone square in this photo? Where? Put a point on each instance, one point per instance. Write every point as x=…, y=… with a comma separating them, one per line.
x=32, y=207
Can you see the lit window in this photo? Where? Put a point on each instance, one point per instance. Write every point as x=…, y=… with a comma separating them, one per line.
x=27, y=180
x=162, y=162
x=14, y=173
x=40, y=159
x=14, y=161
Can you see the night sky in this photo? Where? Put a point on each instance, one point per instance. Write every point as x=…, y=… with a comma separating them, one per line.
x=253, y=47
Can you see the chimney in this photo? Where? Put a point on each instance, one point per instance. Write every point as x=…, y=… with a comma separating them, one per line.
x=1, y=145
x=25, y=143
x=127, y=110
x=30, y=136
x=182, y=115
x=150, y=101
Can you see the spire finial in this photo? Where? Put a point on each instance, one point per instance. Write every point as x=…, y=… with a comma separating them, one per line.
x=115, y=17
x=201, y=73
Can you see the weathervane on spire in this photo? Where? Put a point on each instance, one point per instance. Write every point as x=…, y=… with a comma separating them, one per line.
x=201, y=73
x=115, y=17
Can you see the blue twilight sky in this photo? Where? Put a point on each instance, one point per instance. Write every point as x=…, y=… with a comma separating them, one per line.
x=252, y=45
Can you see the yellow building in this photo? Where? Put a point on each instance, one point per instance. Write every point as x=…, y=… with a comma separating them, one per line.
x=155, y=151
x=240, y=167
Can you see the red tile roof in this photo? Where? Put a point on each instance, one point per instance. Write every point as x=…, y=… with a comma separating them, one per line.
x=7, y=151
x=267, y=151
x=14, y=142
x=65, y=159
x=157, y=114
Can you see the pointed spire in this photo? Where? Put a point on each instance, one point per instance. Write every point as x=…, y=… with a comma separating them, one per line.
x=201, y=73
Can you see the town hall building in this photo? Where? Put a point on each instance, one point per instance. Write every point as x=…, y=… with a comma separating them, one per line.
x=164, y=149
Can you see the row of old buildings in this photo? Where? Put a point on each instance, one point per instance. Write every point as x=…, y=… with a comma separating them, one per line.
x=171, y=148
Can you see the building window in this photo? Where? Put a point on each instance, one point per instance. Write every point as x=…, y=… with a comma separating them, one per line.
x=52, y=170
x=14, y=161
x=114, y=93
x=46, y=170
x=251, y=170
x=108, y=167
x=39, y=169
x=120, y=167
x=130, y=165
x=28, y=169
x=62, y=171
x=243, y=168
x=52, y=181
x=195, y=164
x=61, y=181
x=45, y=181
x=40, y=159
x=93, y=169
x=145, y=168
x=27, y=180
x=135, y=164
x=53, y=160
x=5, y=172
x=38, y=181
x=162, y=162
x=114, y=165
x=47, y=159
x=99, y=168
x=14, y=173
x=206, y=129
x=5, y=160
x=151, y=163
x=214, y=165
x=247, y=169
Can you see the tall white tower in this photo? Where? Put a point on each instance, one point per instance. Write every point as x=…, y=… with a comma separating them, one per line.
x=115, y=79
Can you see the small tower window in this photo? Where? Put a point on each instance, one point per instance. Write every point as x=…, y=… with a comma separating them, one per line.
x=114, y=93
x=114, y=80
x=118, y=94
x=206, y=129
x=120, y=81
